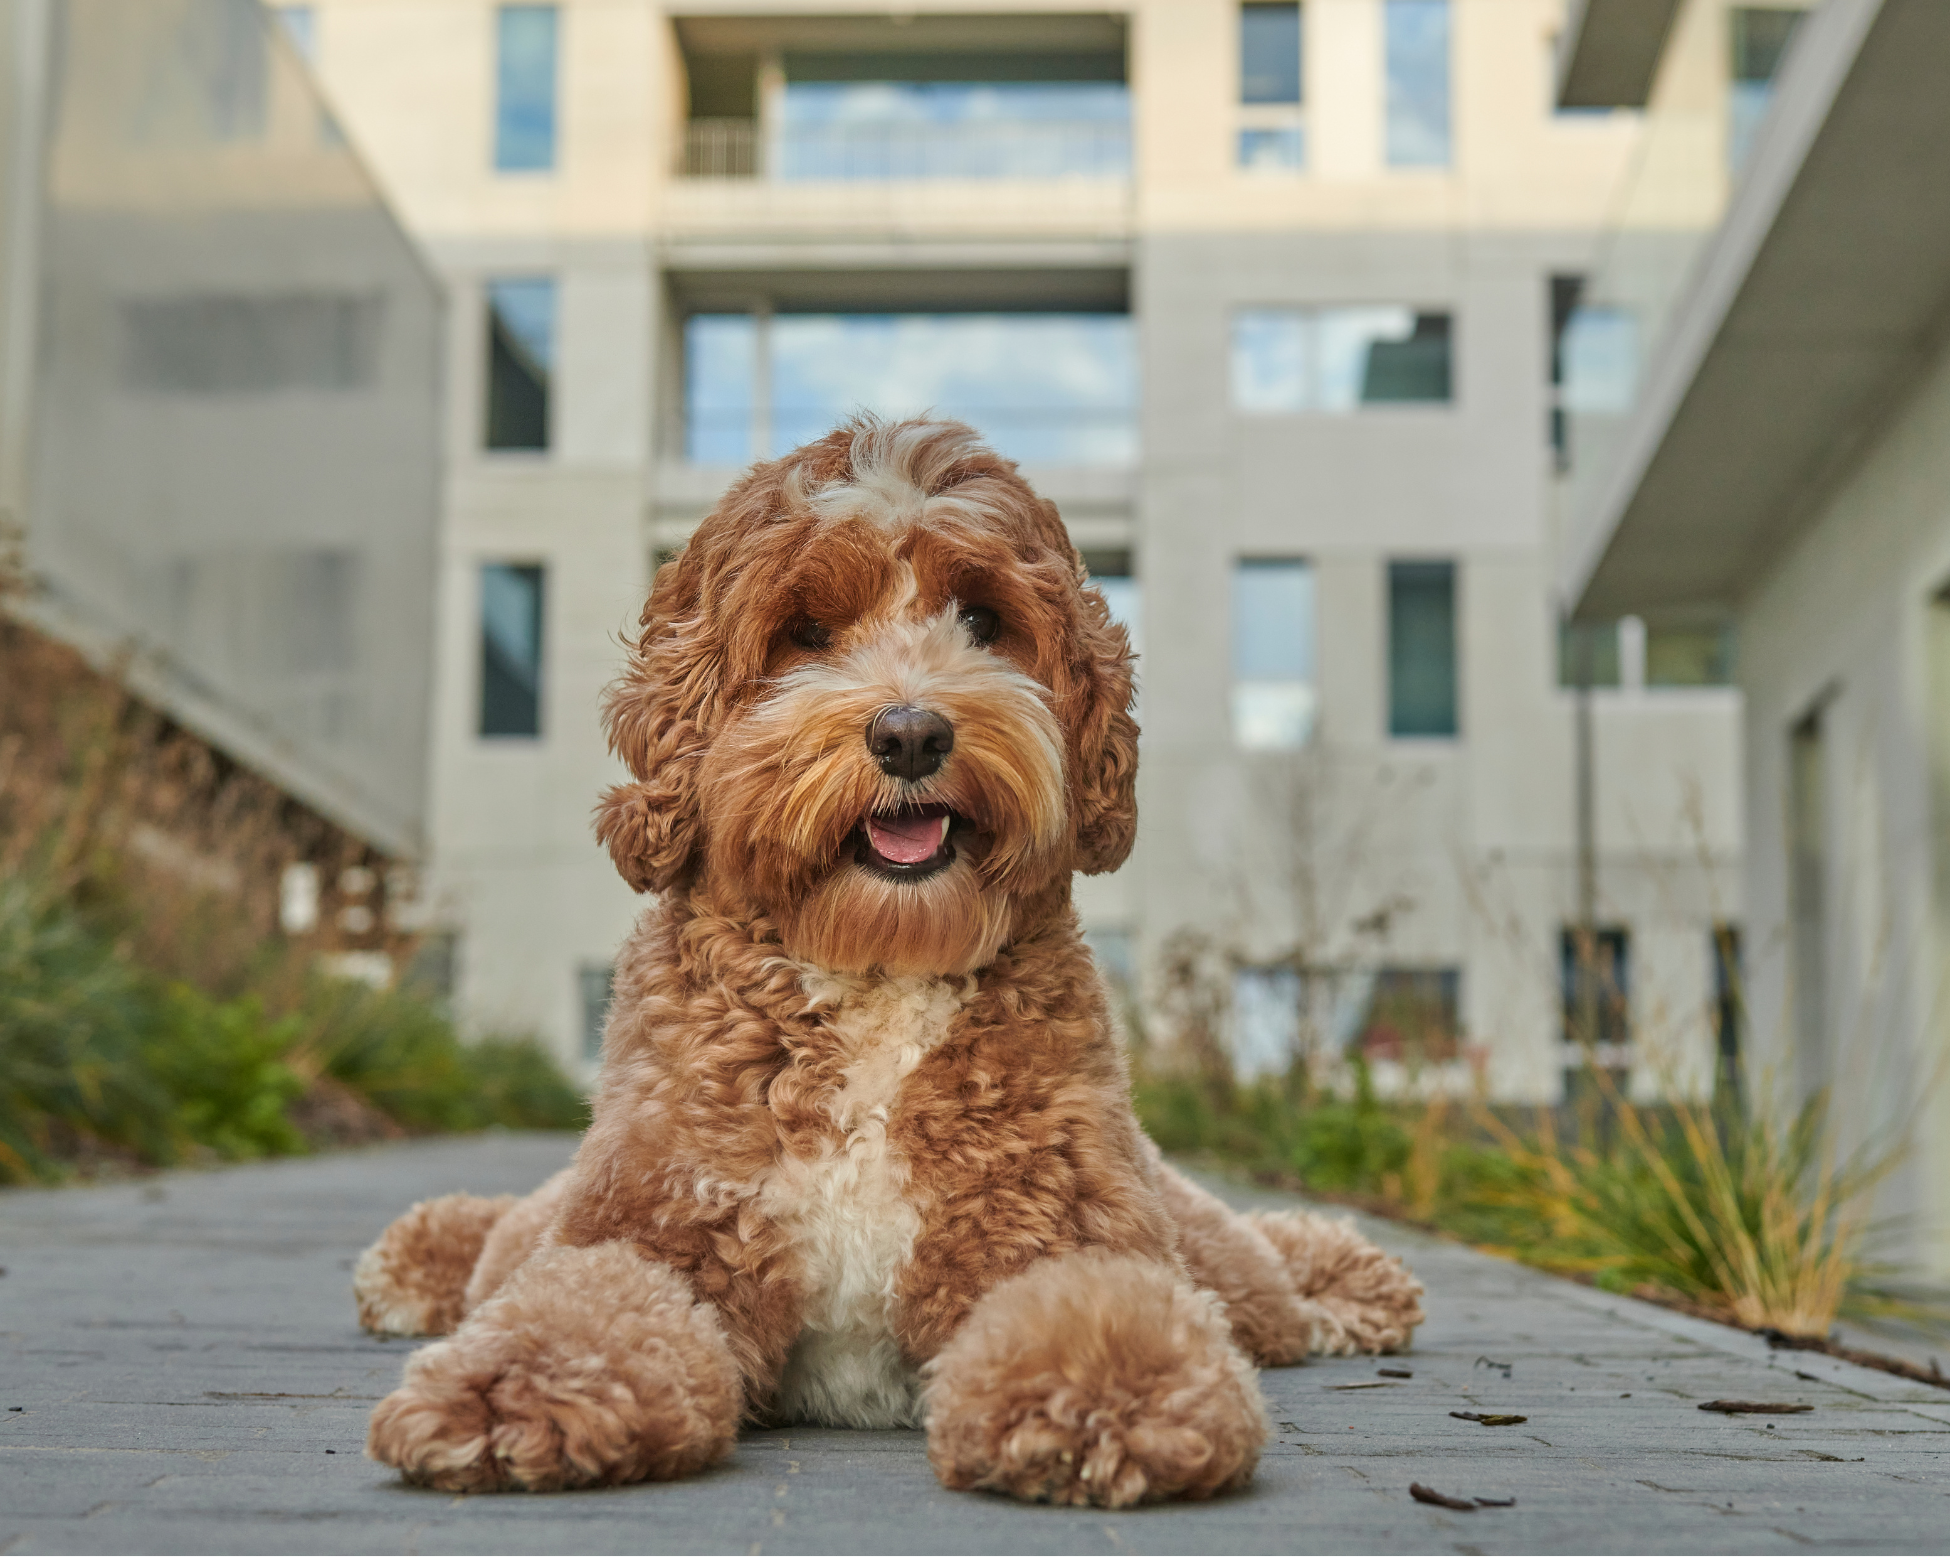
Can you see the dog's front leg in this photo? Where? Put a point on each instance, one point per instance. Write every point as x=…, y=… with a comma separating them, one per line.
x=1095, y=1378
x=591, y=1365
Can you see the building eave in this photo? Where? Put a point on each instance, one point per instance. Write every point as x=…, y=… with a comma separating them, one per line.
x=1609, y=51
x=1815, y=304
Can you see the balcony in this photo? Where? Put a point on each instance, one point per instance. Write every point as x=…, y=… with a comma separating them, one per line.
x=897, y=150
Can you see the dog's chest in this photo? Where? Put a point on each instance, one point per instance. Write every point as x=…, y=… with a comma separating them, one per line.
x=845, y=1205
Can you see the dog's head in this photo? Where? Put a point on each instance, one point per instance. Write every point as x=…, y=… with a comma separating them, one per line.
x=875, y=699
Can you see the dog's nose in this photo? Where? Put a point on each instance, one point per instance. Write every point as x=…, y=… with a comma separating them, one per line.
x=909, y=743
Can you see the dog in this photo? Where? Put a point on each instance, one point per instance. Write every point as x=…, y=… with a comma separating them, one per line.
x=863, y=1151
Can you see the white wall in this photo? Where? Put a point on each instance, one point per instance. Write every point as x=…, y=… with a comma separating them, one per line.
x=1843, y=620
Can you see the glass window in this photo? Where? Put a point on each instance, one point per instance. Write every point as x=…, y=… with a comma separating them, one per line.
x=1422, y=649
x=1273, y=148
x=1413, y=1017
x=844, y=130
x=1265, y=1021
x=1587, y=654
x=1339, y=359
x=1689, y=656
x=1417, y=43
x=1600, y=359
x=1269, y=53
x=521, y=357
x=1043, y=388
x=1761, y=35
x=1606, y=973
x=524, y=101
x=595, y=982
x=1112, y=573
x=1729, y=1013
x=244, y=344
x=1273, y=687
x=300, y=24
x=511, y=650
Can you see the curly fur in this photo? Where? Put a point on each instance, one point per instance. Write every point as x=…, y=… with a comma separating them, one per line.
x=410, y=1281
x=863, y=1147
x=1095, y=1378
x=590, y=1366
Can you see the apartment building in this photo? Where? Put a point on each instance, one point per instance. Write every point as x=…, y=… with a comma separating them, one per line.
x=1275, y=300
x=1784, y=468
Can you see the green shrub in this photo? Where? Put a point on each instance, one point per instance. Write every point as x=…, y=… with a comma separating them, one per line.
x=223, y=1064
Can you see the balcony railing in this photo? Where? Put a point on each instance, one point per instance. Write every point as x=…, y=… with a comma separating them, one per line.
x=983, y=149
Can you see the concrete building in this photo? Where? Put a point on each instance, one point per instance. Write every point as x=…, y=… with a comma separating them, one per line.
x=1785, y=468
x=219, y=420
x=1267, y=297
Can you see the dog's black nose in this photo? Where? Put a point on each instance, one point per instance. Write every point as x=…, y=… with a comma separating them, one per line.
x=909, y=743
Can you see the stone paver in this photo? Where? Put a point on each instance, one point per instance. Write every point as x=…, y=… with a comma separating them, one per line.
x=188, y=1378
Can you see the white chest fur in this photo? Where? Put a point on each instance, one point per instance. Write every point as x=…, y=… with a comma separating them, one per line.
x=846, y=1209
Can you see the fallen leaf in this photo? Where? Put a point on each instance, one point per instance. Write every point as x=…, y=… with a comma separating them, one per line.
x=1490, y=1419
x=1753, y=1407
x=1423, y=1494
x=1365, y=1384
x=1395, y=1373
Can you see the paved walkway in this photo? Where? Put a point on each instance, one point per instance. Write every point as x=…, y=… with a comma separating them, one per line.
x=179, y=1372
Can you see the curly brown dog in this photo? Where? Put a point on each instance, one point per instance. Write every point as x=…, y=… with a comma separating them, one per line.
x=863, y=1151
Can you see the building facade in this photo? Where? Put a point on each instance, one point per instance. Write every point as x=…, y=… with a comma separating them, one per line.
x=1785, y=468
x=1274, y=300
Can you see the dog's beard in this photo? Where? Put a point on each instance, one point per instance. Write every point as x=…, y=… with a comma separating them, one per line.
x=861, y=870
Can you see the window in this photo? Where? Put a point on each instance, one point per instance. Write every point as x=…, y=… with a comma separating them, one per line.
x=1587, y=654
x=1273, y=692
x=1595, y=977
x=1690, y=656
x=1761, y=35
x=239, y=344
x=511, y=650
x=521, y=356
x=1052, y=388
x=1412, y=1017
x=1422, y=649
x=1111, y=572
x=595, y=982
x=1269, y=53
x=1272, y=134
x=1599, y=355
x=524, y=103
x=1339, y=359
x=1808, y=898
x=1417, y=45
x=1265, y=1021
x=846, y=130
x=1729, y=1009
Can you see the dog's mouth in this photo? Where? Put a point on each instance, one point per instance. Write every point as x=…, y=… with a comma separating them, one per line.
x=908, y=842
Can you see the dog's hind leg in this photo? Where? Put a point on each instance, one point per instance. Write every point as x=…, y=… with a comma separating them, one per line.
x=1233, y=1260
x=413, y=1279
x=1373, y=1298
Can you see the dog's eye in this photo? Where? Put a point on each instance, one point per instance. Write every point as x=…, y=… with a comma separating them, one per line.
x=808, y=634
x=982, y=623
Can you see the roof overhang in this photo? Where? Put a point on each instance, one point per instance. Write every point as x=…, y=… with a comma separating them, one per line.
x=1817, y=303
x=1609, y=51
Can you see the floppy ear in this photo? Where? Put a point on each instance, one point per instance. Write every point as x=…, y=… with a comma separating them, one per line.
x=658, y=715
x=1104, y=786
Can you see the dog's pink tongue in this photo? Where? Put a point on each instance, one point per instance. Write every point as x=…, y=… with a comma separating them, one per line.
x=906, y=840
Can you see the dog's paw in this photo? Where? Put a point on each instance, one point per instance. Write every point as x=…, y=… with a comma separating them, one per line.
x=1370, y=1300
x=1095, y=1379
x=411, y=1280
x=591, y=1366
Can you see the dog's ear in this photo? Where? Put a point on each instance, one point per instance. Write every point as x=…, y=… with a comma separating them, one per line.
x=1104, y=781
x=658, y=715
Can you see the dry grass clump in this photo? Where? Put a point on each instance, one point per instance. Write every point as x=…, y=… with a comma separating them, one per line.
x=1738, y=1213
